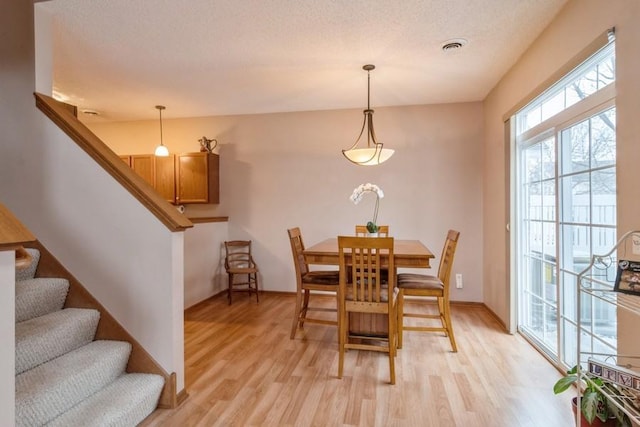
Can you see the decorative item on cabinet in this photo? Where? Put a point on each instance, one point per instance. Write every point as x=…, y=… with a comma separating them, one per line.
x=206, y=144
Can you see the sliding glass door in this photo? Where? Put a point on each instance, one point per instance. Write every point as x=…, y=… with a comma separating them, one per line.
x=567, y=214
x=537, y=248
x=566, y=208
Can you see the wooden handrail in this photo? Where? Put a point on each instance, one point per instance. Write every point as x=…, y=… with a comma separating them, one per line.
x=13, y=234
x=23, y=258
x=111, y=163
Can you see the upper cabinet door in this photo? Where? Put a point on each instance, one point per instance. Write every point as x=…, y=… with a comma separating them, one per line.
x=145, y=166
x=197, y=176
x=166, y=178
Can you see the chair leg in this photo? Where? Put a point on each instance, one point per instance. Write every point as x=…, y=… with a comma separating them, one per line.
x=392, y=344
x=296, y=314
x=441, y=312
x=230, y=290
x=449, y=325
x=342, y=327
x=400, y=317
x=305, y=307
x=255, y=281
x=392, y=369
x=340, y=345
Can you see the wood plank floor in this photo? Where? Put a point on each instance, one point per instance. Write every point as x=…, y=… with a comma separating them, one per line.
x=243, y=370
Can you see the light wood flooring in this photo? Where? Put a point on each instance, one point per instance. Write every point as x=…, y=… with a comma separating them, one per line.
x=243, y=370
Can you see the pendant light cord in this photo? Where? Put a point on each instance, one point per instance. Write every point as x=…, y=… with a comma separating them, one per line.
x=161, y=143
x=161, y=127
x=160, y=108
x=368, y=89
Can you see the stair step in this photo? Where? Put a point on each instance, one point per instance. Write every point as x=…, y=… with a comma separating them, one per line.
x=47, y=337
x=37, y=297
x=29, y=272
x=125, y=402
x=47, y=391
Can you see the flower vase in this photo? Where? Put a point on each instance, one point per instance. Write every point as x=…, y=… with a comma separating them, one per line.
x=373, y=234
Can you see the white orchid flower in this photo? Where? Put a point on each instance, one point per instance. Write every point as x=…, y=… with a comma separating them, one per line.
x=356, y=197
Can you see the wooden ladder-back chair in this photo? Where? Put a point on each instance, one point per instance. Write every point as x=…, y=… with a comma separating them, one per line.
x=421, y=285
x=365, y=292
x=383, y=231
x=308, y=281
x=239, y=262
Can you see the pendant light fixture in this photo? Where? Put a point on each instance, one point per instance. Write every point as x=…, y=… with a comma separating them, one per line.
x=161, y=150
x=374, y=153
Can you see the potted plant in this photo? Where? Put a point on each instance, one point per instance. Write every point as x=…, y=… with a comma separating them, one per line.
x=356, y=197
x=595, y=407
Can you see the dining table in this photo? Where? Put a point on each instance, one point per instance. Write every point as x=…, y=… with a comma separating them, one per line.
x=406, y=254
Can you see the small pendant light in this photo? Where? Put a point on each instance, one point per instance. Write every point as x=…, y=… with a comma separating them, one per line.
x=161, y=150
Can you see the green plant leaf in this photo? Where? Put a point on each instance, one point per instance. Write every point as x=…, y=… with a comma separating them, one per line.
x=573, y=370
x=594, y=404
x=589, y=405
x=564, y=383
x=371, y=227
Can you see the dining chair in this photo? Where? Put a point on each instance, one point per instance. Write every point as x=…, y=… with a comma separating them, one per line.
x=366, y=293
x=422, y=285
x=239, y=263
x=383, y=231
x=361, y=230
x=307, y=282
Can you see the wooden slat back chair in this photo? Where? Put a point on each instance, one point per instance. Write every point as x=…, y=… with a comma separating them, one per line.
x=308, y=281
x=422, y=285
x=366, y=292
x=383, y=230
x=239, y=263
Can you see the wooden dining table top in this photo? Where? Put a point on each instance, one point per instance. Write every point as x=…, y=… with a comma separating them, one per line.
x=407, y=253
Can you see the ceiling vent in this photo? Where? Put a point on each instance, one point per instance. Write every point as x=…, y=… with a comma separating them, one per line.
x=453, y=44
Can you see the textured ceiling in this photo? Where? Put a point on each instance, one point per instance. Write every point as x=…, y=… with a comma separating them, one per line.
x=220, y=57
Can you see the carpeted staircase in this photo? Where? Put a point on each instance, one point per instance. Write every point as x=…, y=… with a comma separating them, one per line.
x=63, y=376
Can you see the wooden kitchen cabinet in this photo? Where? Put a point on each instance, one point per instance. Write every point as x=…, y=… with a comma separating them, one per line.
x=145, y=166
x=197, y=178
x=180, y=178
x=165, y=182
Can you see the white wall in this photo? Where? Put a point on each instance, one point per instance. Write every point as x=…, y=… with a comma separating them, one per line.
x=7, y=335
x=285, y=170
x=43, y=50
x=575, y=27
x=115, y=247
x=17, y=115
x=204, y=273
x=119, y=251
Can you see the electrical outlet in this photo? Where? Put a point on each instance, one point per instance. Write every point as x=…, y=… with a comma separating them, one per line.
x=459, y=281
